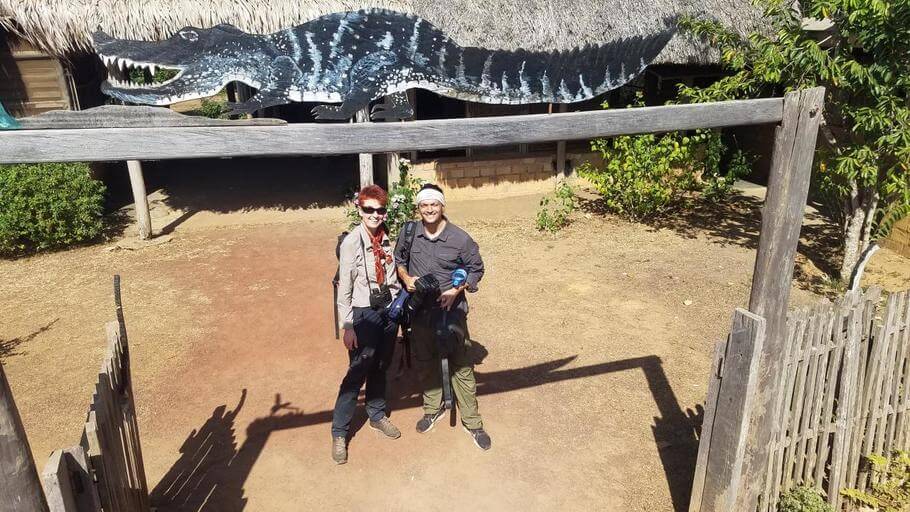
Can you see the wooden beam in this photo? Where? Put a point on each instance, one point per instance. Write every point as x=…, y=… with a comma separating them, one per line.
x=20, y=488
x=22, y=146
x=134, y=116
x=140, y=198
x=782, y=219
x=366, y=159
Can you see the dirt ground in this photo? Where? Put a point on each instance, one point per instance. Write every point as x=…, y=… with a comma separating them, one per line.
x=593, y=352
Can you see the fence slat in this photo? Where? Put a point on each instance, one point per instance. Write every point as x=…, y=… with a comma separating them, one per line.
x=796, y=323
x=849, y=381
x=894, y=376
x=797, y=419
x=68, y=483
x=826, y=423
x=874, y=379
x=903, y=425
x=870, y=325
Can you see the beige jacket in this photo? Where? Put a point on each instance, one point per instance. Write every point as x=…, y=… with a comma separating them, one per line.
x=353, y=287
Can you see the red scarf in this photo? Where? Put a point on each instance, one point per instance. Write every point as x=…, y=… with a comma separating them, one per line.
x=379, y=255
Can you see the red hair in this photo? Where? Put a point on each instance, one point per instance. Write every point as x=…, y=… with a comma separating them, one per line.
x=373, y=192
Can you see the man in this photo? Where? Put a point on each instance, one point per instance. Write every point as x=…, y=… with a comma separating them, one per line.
x=439, y=247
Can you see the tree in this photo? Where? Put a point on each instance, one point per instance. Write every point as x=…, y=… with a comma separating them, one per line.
x=862, y=58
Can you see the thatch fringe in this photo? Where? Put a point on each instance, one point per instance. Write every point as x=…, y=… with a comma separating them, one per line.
x=65, y=26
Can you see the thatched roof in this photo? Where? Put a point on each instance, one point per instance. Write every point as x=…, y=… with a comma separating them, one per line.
x=63, y=26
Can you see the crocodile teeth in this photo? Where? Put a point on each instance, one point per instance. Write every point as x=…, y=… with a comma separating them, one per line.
x=153, y=68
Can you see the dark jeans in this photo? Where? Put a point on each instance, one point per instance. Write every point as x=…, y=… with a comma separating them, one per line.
x=368, y=362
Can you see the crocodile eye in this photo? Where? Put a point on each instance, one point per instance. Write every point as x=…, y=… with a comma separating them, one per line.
x=189, y=35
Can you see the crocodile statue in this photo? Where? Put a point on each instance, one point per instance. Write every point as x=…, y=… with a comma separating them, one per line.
x=352, y=58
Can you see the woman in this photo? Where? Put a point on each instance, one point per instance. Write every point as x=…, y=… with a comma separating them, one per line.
x=367, y=284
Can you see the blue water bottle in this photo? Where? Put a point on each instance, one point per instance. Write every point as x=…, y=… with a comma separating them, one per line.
x=459, y=276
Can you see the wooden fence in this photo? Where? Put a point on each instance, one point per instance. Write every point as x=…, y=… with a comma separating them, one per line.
x=105, y=470
x=843, y=393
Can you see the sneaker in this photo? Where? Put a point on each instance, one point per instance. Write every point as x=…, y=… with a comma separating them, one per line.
x=480, y=437
x=339, y=450
x=385, y=426
x=426, y=423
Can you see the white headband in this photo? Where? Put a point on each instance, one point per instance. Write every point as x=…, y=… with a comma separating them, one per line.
x=431, y=194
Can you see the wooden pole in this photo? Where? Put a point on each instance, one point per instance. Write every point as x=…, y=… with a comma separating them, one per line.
x=391, y=159
x=140, y=198
x=561, y=152
x=20, y=488
x=366, y=159
x=782, y=218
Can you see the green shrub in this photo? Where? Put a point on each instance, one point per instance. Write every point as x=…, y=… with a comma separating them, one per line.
x=45, y=206
x=213, y=108
x=140, y=76
x=891, y=484
x=402, y=202
x=803, y=499
x=556, y=208
x=645, y=175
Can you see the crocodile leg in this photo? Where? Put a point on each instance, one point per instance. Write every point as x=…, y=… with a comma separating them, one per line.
x=397, y=107
x=283, y=75
x=368, y=79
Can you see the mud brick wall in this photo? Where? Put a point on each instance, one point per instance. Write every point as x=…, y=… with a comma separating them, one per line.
x=899, y=239
x=488, y=178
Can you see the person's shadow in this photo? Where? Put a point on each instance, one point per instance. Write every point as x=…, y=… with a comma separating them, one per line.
x=212, y=470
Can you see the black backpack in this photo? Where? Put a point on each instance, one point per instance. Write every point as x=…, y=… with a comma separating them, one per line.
x=410, y=228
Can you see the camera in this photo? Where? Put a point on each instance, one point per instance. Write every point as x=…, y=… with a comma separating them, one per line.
x=426, y=289
x=380, y=297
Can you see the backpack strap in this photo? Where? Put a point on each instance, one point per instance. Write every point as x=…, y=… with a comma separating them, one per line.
x=410, y=229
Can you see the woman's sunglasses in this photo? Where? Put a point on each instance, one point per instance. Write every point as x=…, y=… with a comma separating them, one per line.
x=369, y=210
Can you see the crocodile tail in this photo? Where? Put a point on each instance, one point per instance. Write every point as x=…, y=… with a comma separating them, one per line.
x=520, y=76
x=584, y=73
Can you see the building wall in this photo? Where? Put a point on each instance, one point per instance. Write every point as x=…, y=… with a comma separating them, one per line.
x=899, y=239
x=31, y=81
x=491, y=178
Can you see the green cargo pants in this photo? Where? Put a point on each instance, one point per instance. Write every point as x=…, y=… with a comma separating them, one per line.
x=426, y=351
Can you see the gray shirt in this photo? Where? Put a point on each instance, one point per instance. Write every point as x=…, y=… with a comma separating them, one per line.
x=355, y=279
x=453, y=248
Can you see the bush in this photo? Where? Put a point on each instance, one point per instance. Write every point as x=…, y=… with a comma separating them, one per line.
x=555, y=209
x=45, y=206
x=891, y=484
x=645, y=175
x=402, y=202
x=213, y=108
x=803, y=499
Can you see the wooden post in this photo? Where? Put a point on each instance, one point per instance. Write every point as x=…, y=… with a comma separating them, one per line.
x=20, y=488
x=782, y=218
x=391, y=159
x=140, y=198
x=468, y=151
x=366, y=159
x=731, y=391
x=561, y=153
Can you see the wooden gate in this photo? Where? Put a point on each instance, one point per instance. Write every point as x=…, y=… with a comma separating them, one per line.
x=843, y=393
x=105, y=470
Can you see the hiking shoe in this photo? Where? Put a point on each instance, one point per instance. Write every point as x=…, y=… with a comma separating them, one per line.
x=480, y=437
x=339, y=450
x=385, y=426
x=426, y=423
